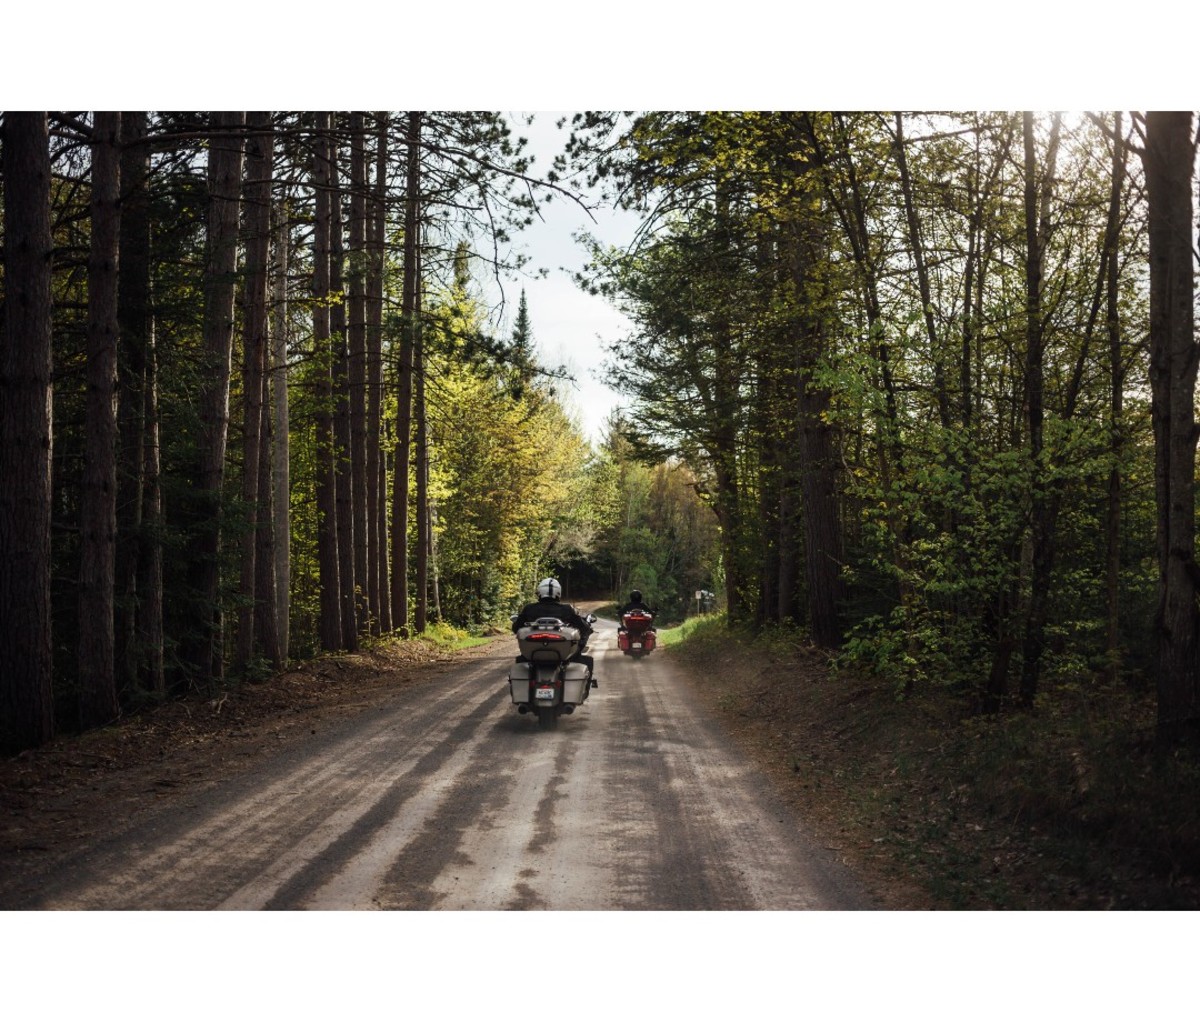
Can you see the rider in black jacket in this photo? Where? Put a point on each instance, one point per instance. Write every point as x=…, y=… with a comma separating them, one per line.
x=635, y=603
x=548, y=605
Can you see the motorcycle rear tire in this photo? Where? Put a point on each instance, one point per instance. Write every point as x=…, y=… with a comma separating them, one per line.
x=547, y=718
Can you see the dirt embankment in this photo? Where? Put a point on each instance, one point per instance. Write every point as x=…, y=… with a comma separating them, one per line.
x=1066, y=808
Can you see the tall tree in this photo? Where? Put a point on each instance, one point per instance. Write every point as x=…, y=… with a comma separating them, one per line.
x=281, y=432
x=201, y=653
x=327, y=532
x=150, y=627
x=356, y=280
x=421, y=615
x=1116, y=365
x=256, y=439
x=26, y=435
x=134, y=317
x=1169, y=159
x=1044, y=508
x=400, y=477
x=341, y=407
x=377, y=576
x=98, y=524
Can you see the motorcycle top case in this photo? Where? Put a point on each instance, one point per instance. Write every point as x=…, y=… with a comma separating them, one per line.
x=548, y=639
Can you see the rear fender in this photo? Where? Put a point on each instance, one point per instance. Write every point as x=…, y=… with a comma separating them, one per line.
x=545, y=675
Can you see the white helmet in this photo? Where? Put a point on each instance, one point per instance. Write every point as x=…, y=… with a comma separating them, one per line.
x=549, y=589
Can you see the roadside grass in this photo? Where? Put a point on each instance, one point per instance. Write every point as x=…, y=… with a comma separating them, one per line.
x=438, y=635
x=1068, y=806
x=446, y=636
x=695, y=630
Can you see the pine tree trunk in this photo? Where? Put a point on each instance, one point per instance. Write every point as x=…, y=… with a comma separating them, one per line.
x=327, y=536
x=433, y=562
x=377, y=576
x=817, y=462
x=257, y=193
x=421, y=618
x=357, y=326
x=259, y=163
x=265, y=620
x=400, y=470
x=280, y=438
x=134, y=325
x=26, y=434
x=1169, y=161
x=822, y=522
x=98, y=518
x=341, y=410
x=151, y=664
x=201, y=651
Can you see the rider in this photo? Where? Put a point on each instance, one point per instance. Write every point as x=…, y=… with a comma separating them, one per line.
x=548, y=605
x=635, y=603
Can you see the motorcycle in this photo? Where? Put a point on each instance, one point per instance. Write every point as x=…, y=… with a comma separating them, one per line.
x=636, y=637
x=547, y=682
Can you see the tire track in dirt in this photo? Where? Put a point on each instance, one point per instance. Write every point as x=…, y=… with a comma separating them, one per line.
x=187, y=859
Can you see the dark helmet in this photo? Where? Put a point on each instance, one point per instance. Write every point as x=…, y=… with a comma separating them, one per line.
x=635, y=596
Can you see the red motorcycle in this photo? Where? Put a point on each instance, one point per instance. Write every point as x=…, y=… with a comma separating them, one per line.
x=636, y=636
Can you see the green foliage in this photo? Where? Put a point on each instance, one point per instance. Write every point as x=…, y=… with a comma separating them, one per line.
x=653, y=531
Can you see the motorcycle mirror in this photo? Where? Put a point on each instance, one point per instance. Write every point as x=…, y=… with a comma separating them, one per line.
x=513, y=617
x=591, y=619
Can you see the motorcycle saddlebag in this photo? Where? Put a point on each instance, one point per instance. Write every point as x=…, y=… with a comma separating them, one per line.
x=575, y=683
x=622, y=641
x=519, y=675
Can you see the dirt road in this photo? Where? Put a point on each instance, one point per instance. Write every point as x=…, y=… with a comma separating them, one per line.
x=443, y=797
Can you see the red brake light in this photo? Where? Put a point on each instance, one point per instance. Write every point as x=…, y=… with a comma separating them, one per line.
x=544, y=637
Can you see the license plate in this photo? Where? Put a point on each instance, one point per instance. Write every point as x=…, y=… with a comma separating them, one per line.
x=544, y=693
x=637, y=645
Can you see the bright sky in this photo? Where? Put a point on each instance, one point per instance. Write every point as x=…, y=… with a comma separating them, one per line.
x=570, y=327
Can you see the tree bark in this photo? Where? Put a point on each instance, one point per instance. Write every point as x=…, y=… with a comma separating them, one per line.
x=327, y=535
x=255, y=432
x=1112, y=522
x=377, y=576
x=817, y=463
x=357, y=326
x=151, y=664
x=400, y=491
x=265, y=620
x=1169, y=158
x=98, y=518
x=421, y=617
x=280, y=439
x=341, y=409
x=201, y=651
x=26, y=436
x=134, y=329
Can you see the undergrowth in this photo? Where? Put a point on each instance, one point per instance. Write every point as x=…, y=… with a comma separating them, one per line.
x=1070, y=805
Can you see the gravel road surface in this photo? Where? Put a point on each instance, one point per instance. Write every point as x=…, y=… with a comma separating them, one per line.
x=443, y=797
